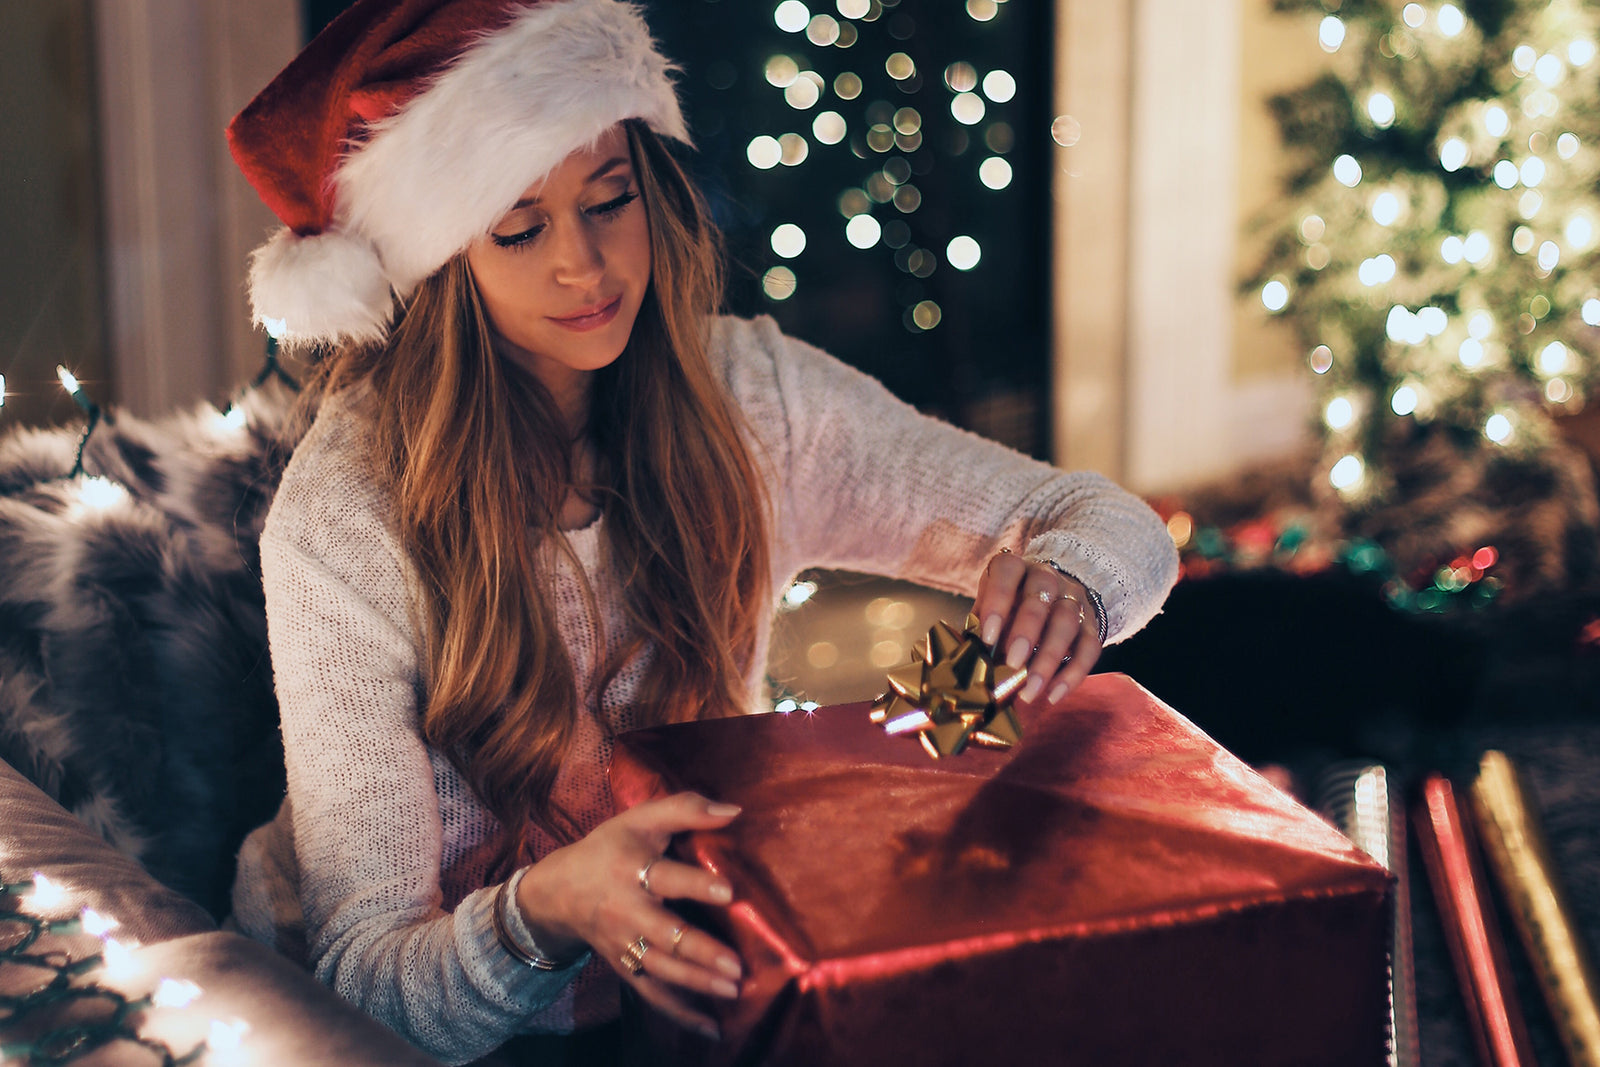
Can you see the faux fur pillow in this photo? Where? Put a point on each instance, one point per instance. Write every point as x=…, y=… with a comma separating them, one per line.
x=135, y=685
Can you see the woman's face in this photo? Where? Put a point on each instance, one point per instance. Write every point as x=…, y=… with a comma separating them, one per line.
x=562, y=275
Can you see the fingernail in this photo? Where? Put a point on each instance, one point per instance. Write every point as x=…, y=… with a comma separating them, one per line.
x=723, y=811
x=725, y=989
x=721, y=892
x=730, y=967
x=1030, y=689
x=1017, y=655
x=991, y=630
x=709, y=1030
x=1059, y=693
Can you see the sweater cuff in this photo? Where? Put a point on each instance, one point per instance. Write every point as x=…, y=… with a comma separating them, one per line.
x=499, y=970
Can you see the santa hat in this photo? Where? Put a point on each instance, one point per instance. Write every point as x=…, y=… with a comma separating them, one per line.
x=408, y=128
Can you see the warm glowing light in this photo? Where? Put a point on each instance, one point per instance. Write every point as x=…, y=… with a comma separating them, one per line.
x=995, y=173
x=1413, y=15
x=792, y=16
x=999, y=86
x=822, y=30
x=1530, y=203
x=1380, y=108
x=1549, y=256
x=968, y=108
x=1522, y=240
x=764, y=152
x=1453, y=154
x=847, y=86
x=1549, y=69
x=1476, y=247
x=779, y=283
x=119, y=961
x=3, y=385
x=175, y=993
x=1275, y=295
x=907, y=120
x=886, y=654
x=1496, y=121
x=1523, y=58
x=68, y=381
x=1404, y=401
x=786, y=706
x=781, y=71
x=1532, y=171
x=794, y=149
x=1321, y=359
x=225, y=1036
x=900, y=66
x=927, y=315
x=1580, y=52
x=822, y=655
x=863, y=231
x=961, y=77
x=1591, y=311
x=982, y=10
x=1346, y=171
x=963, y=253
x=1347, y=474
x=853, y=202
x=1506, y=174
x=854, y=9
x=1471, y=353
x=1180, y=528
x=100, y=494
x=1452, y=249
x=230, y=421
x=1403, y=327
x=829, y=127
x=1330, y=34
x=1385, y=209
x=1377, y=270
x=798, y=593
x=1312, y=229
x=1567, y=145
x=1433, y=319
x=1553, y=359
x=97, y=925
x=1066, y=131
x=1497, y=428
x=1480, y=325
x=47, y=895
x=1339, y=414
x=1451, y=21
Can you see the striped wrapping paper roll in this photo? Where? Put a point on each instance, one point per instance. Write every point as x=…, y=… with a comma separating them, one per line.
x=1364, y=802
x=1515, y=847
x=1444, y=836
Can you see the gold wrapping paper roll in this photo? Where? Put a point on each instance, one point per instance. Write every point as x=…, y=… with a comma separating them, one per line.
x=1514, y=844
x=1363, y=800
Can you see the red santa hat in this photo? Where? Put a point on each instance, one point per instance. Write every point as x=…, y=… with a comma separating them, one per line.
x=408, y=128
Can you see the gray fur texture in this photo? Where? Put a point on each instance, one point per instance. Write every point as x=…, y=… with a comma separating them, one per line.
x=135, y=685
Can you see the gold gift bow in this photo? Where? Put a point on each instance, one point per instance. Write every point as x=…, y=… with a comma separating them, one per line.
x=1515, y=846
x=953, y=692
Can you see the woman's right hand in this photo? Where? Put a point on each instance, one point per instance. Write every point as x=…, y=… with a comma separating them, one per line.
x=591, y=892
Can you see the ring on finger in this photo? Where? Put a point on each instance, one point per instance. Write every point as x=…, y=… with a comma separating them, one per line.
x=1075, y=600
x=644, y=875
x=677, y=938
x=1044, y=596
x=633, y=957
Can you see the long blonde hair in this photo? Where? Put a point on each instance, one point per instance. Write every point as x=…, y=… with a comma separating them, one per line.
x=479, y=464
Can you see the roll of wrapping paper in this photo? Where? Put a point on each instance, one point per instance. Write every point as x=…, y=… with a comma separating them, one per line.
x=1363, y=800
x=1516, y=851
x=1449, y=853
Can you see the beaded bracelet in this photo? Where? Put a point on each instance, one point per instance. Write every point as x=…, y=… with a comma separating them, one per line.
x=1101, y=622
x=529, y=953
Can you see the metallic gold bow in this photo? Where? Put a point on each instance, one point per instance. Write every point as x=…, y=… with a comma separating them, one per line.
x=952, y=693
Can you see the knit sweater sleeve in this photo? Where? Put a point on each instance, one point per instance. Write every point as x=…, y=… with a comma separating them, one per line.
x=867, y=483
x=365, y=812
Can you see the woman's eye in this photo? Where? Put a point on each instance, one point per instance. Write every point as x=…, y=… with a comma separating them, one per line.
x=611, y=207
x=517, y=240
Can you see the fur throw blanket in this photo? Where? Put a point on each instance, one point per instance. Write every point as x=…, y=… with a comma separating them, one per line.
x=135, y=685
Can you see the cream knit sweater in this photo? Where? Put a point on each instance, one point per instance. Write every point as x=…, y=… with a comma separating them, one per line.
x=375, y=871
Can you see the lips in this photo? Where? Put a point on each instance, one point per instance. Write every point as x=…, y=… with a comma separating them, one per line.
x=590, y=318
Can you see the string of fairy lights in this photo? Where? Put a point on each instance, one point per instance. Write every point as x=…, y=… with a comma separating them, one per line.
x=77, y=1002
x=1436, y=253
x=887, y=125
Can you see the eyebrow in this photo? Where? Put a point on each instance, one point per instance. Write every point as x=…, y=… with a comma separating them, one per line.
x=605, y=168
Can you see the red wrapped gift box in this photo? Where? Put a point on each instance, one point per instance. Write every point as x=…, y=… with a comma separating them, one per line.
x=1116, y=890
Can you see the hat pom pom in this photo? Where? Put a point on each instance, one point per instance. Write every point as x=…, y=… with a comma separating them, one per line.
x=324, y=288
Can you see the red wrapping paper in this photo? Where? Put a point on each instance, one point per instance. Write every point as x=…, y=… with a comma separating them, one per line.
x=1118, y=889
x=1450, y=855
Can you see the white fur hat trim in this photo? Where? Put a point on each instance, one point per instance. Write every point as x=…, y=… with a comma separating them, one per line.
x=439, y=173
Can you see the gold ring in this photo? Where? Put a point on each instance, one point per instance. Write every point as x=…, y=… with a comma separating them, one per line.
x=644, y=875
x=633, y=957
x=677, y=939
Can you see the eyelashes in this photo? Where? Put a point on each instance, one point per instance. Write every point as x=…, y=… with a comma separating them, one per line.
x=603, y=212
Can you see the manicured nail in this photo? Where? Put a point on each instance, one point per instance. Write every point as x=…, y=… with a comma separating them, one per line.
x=723, y=811
x=1017, y=654
x=991, y=630
x=1059, y=693
x=724, y=988
x=721, y=892
x=1030, y=689
x=730, y=967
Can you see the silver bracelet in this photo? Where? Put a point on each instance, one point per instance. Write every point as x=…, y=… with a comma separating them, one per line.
x=1101, y=622
x=529, y=953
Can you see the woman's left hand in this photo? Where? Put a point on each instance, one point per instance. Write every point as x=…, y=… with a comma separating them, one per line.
x=1036, y=617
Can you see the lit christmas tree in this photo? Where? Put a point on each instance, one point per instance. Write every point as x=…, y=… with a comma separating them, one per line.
x=1436, y=254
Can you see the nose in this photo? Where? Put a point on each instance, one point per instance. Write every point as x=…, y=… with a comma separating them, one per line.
x=577, y=255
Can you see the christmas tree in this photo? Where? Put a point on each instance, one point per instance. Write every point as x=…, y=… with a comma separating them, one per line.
x=1435, y=253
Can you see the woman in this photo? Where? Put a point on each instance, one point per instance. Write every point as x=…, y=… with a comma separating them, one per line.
x=550, y=496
